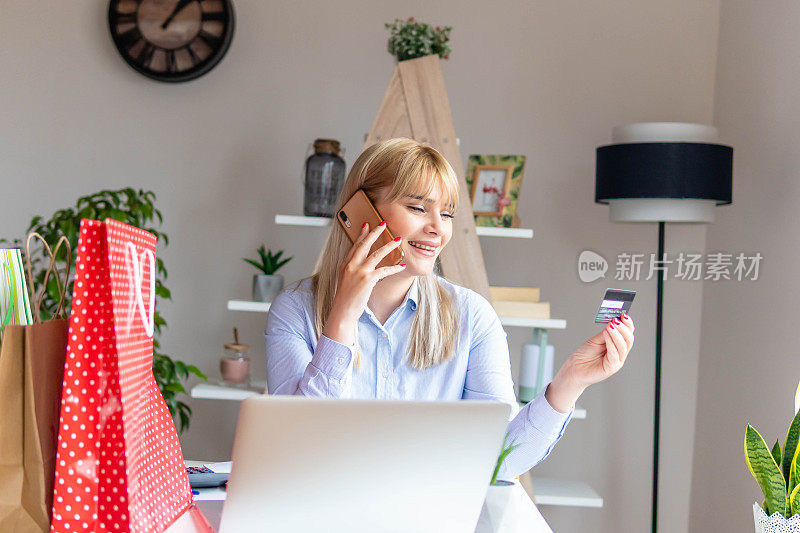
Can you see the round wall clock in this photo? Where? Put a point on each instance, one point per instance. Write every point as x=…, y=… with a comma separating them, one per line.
x=171, y=40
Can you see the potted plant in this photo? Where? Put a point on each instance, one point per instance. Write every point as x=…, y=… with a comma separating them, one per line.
x=266, y=286
x=777, y=472
x=409, y=39
x=498, y=496
x=136, y=208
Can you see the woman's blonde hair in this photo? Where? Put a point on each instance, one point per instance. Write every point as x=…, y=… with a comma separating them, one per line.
x=410, y=168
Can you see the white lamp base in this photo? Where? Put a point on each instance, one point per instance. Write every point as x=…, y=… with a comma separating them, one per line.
x=662, y=210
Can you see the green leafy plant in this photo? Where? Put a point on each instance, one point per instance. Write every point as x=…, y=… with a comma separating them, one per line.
x=777, y=470
x=136, y=208
x=409, y=39
x=504, y=451
x=270, y=262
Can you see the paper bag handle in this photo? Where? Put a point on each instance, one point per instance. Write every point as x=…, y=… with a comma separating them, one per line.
x=50, y=269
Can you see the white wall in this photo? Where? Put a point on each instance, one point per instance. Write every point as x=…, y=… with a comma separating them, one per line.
x=224, y=154
x=749, y=364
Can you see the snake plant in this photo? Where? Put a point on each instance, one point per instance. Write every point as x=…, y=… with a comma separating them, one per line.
x=777, y=471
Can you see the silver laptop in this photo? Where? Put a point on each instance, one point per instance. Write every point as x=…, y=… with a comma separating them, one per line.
x=321, y=465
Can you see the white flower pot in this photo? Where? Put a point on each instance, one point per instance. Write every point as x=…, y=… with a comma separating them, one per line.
x=495, y=515
x=777, y=523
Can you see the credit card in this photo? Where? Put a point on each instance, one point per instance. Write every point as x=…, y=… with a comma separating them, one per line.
x=615, y=302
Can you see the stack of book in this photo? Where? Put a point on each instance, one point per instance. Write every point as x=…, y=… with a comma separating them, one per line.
x=521, y=302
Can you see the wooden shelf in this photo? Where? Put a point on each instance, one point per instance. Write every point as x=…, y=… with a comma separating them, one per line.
x=295, y=220
x=549, y=491
x=511, y=321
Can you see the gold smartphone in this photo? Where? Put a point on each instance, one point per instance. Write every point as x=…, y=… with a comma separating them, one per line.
x=356, y=211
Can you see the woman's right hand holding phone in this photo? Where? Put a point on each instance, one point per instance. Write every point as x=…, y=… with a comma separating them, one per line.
x=358, y=275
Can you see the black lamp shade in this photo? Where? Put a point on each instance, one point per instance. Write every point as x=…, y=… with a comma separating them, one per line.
x=674, y=170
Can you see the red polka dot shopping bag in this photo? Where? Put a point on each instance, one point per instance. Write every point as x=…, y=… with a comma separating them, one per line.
x=119, y=465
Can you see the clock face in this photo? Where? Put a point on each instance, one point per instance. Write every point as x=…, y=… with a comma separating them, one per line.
x=171, y=40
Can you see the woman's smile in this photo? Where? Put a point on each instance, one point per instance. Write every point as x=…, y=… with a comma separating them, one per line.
x=424, y=248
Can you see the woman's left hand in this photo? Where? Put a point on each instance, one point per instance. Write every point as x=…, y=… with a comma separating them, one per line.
x=597, y=359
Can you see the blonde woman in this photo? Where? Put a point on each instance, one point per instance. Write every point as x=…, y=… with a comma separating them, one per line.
x=355, y=330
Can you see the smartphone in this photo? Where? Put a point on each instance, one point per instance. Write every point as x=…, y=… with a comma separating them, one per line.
x=360, y=209
x=615, y=302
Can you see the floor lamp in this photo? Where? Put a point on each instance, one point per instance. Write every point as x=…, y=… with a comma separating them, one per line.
x=663, y=172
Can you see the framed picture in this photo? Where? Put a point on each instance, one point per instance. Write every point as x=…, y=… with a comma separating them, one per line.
x=494, y=182
x=490, y=184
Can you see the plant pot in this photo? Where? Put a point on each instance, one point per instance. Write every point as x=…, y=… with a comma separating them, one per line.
x=495, y=516
x=777, y=523
x=266, y=288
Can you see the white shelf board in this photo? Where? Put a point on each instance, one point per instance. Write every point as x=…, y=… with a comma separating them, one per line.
x=549, y=491
x=248, y=305
x=212, y=391
x=295, y=220
x=544, y=323
x=514, y=233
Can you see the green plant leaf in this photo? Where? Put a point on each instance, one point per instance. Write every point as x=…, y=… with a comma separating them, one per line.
x=174, y=387
x=765, y=471
x=257, y=265
x=792, y=480
x=776, y=452
x=504, y=451
x=794, y=502
x=196, y=371
x=790, y=447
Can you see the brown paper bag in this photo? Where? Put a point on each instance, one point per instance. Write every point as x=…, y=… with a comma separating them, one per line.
x=31, y=375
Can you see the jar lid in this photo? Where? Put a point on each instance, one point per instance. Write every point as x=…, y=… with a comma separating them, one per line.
x=237, y=347
x=326, y=146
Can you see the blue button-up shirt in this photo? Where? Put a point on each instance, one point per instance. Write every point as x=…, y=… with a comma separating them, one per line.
x=298, y=363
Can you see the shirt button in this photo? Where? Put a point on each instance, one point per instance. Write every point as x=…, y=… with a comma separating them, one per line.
x=341, y=360
x=386, y=373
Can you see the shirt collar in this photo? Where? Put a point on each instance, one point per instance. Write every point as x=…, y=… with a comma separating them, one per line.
x=411, y=299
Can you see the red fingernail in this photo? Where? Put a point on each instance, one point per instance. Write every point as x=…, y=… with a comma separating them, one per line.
x=398, y=239
x=402, y=264
x=382, y=223
x=611, y=326
x=625, y=316
x=364, y=226
x=616, y=320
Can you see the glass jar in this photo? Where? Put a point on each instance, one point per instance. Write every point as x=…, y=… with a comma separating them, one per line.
x=323, y=179
x=235, y=365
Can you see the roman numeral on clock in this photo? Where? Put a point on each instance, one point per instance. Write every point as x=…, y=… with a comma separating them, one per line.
x=130, y=37
x=217, y=16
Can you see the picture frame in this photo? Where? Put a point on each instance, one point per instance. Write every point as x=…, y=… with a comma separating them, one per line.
x=493, y=182
x=490, y=184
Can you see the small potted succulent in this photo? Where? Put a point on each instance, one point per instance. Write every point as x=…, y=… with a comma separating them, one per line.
x=409, y=39
x=266, y=286
x=494, y=512
x=777, y=472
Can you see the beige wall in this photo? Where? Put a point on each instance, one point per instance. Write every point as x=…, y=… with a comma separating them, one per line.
x=749, y=364
x=224, y=154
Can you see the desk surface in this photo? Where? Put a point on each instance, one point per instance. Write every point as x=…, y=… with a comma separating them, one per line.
x=526, y=517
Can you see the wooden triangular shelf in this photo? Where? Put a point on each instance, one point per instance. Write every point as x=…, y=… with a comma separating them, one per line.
x=415, y=105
